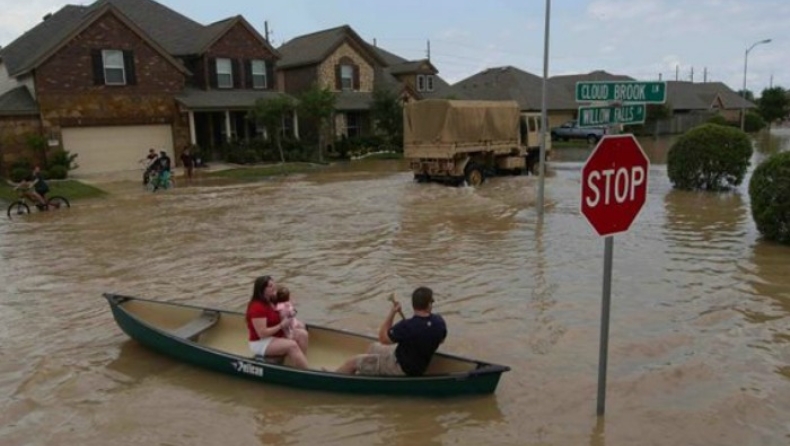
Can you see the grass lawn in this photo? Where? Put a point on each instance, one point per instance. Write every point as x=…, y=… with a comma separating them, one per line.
x=383, y=156
x=253, y=173
x=71, y=189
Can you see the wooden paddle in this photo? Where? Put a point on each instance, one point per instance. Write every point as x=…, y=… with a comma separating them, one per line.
x=392, y=299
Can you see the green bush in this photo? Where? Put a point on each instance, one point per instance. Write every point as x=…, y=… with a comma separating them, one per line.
x=753, y=123
x=63, y=158
x=769, y=190
x=721, y=120
x=19, y=173
x=57, y=172
x=709, y=157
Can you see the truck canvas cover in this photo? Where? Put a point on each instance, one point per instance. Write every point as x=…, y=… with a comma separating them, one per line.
x=441, y=122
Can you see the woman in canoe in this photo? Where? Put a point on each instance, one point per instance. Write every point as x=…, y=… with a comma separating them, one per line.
x=265, y=326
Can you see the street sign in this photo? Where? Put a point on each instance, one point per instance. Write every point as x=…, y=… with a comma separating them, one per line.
x=614, y=184
x=605, y=116
x=622, y=91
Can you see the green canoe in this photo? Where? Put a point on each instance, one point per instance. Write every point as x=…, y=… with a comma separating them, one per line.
x=217, y=340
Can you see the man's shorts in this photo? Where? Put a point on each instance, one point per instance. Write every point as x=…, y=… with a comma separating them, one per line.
x=380, y=360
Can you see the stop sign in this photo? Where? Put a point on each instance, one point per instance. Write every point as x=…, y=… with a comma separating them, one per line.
x=614, y=184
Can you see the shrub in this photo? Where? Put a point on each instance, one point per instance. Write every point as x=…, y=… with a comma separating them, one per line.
x=63, y=158
x=720, y=120
x=769, y=190
x=709, y=157
x=57, y=172
x=20, y=173
x=753, y=123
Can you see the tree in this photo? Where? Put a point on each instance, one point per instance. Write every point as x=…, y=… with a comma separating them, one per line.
x=318, y=104
x=271, y=113
x=749, y=95
x=769, y=191
x=709, y=157
x=774, y=104
x=387, y=114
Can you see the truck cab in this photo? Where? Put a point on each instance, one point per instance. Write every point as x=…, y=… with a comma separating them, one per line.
x=530, y=138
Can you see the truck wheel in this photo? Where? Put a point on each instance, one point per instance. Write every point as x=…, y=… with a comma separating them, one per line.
x=474, y=175
x=421, y=178
x=592, y=139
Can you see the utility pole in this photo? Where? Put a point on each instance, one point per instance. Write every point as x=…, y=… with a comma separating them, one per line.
x=374, y=42
x=692, y=74
x=771, y=82
x=266, y=32
x=660, y=75
x=677, y=72
x=428, y=52
x=705, y=75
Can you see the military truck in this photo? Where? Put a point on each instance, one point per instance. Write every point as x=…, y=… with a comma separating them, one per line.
x=457, y=141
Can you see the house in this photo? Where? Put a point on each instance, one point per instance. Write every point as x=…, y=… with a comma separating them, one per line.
x=510, y=83
x=714, y=97
x=109, y=80
x=340, y=60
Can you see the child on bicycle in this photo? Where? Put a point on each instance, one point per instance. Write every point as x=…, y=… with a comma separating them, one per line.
x=163, y=168
x=34, y=187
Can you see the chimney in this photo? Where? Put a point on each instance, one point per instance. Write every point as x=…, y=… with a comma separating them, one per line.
x=46, y=17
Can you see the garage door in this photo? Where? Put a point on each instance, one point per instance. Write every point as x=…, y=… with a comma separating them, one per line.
x=116, y=148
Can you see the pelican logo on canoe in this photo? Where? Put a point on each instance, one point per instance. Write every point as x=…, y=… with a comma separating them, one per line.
x=248, y=368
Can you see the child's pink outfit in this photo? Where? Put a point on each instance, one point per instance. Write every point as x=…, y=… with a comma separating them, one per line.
x=287, y=311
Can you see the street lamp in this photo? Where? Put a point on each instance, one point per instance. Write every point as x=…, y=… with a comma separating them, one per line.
x=743, y=92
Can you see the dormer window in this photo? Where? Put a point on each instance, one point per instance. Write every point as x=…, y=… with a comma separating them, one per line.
x=114, y=72
x=424, y=82
x=346, y=77
x=224, y=73
x=259, y=74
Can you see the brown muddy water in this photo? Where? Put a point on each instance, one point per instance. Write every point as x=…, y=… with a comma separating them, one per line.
x=700, y=325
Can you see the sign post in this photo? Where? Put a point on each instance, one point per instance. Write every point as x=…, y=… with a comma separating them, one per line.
x=613, y=191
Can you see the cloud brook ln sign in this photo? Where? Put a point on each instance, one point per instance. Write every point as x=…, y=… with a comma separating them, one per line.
x=622, y=91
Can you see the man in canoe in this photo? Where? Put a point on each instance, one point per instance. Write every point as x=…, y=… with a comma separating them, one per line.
x=405, y=348
x=265, y=326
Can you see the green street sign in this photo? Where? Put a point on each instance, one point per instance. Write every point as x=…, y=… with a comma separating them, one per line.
x=622, y=91
x=605, y=116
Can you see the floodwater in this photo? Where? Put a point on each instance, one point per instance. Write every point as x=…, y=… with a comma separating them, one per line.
x=699, y=351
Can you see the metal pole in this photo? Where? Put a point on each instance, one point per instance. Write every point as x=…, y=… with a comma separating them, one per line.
x=543, y=115
x=743, y=92
x=603, y=355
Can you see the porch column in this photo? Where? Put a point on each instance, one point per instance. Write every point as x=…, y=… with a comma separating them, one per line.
x=227, y=126
x=192, y=130
x=296, y=125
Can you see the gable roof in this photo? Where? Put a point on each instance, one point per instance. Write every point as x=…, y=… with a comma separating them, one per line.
x=41, y=42
x=423, y=66
x=171, y=33
x=685, y=95
x=568, y=81
x=18, y=102
x=510, y=83
x=314, y=48
x=389, y=58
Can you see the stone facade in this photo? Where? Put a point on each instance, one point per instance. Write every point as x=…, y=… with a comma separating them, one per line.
x=326, y=70
x=14, y=132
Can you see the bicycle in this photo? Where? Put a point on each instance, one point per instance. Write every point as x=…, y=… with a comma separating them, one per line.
x=24, y=204
x=155, y=179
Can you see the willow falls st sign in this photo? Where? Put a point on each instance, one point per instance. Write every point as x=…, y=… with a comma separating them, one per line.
x=614, y=184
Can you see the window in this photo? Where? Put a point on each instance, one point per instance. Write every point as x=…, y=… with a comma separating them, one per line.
x=347, y=77
x=420, y=82
x=224, y=73
x=259, y=74
x=429, y=82
x=353, y=125
x=114, y=73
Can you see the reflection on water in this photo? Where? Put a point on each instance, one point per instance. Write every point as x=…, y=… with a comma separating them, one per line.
x=699, y=333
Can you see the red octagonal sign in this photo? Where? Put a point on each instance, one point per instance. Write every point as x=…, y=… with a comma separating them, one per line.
x=614, y=184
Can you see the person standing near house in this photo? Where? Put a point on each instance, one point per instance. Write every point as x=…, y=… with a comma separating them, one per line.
x=188, y=160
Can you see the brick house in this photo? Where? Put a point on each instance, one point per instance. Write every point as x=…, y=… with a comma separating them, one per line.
x=109, y=80
x=340, y=60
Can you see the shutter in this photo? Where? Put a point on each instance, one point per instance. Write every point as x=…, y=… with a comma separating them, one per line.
x=98, y=67
x=128, y=66
x=212, y=73
x=271, y=82
x=236, y=65
x=248, y=82
x=338, y=79
x=356, y=78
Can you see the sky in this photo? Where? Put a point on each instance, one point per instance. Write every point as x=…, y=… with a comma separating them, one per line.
x=646, y=39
